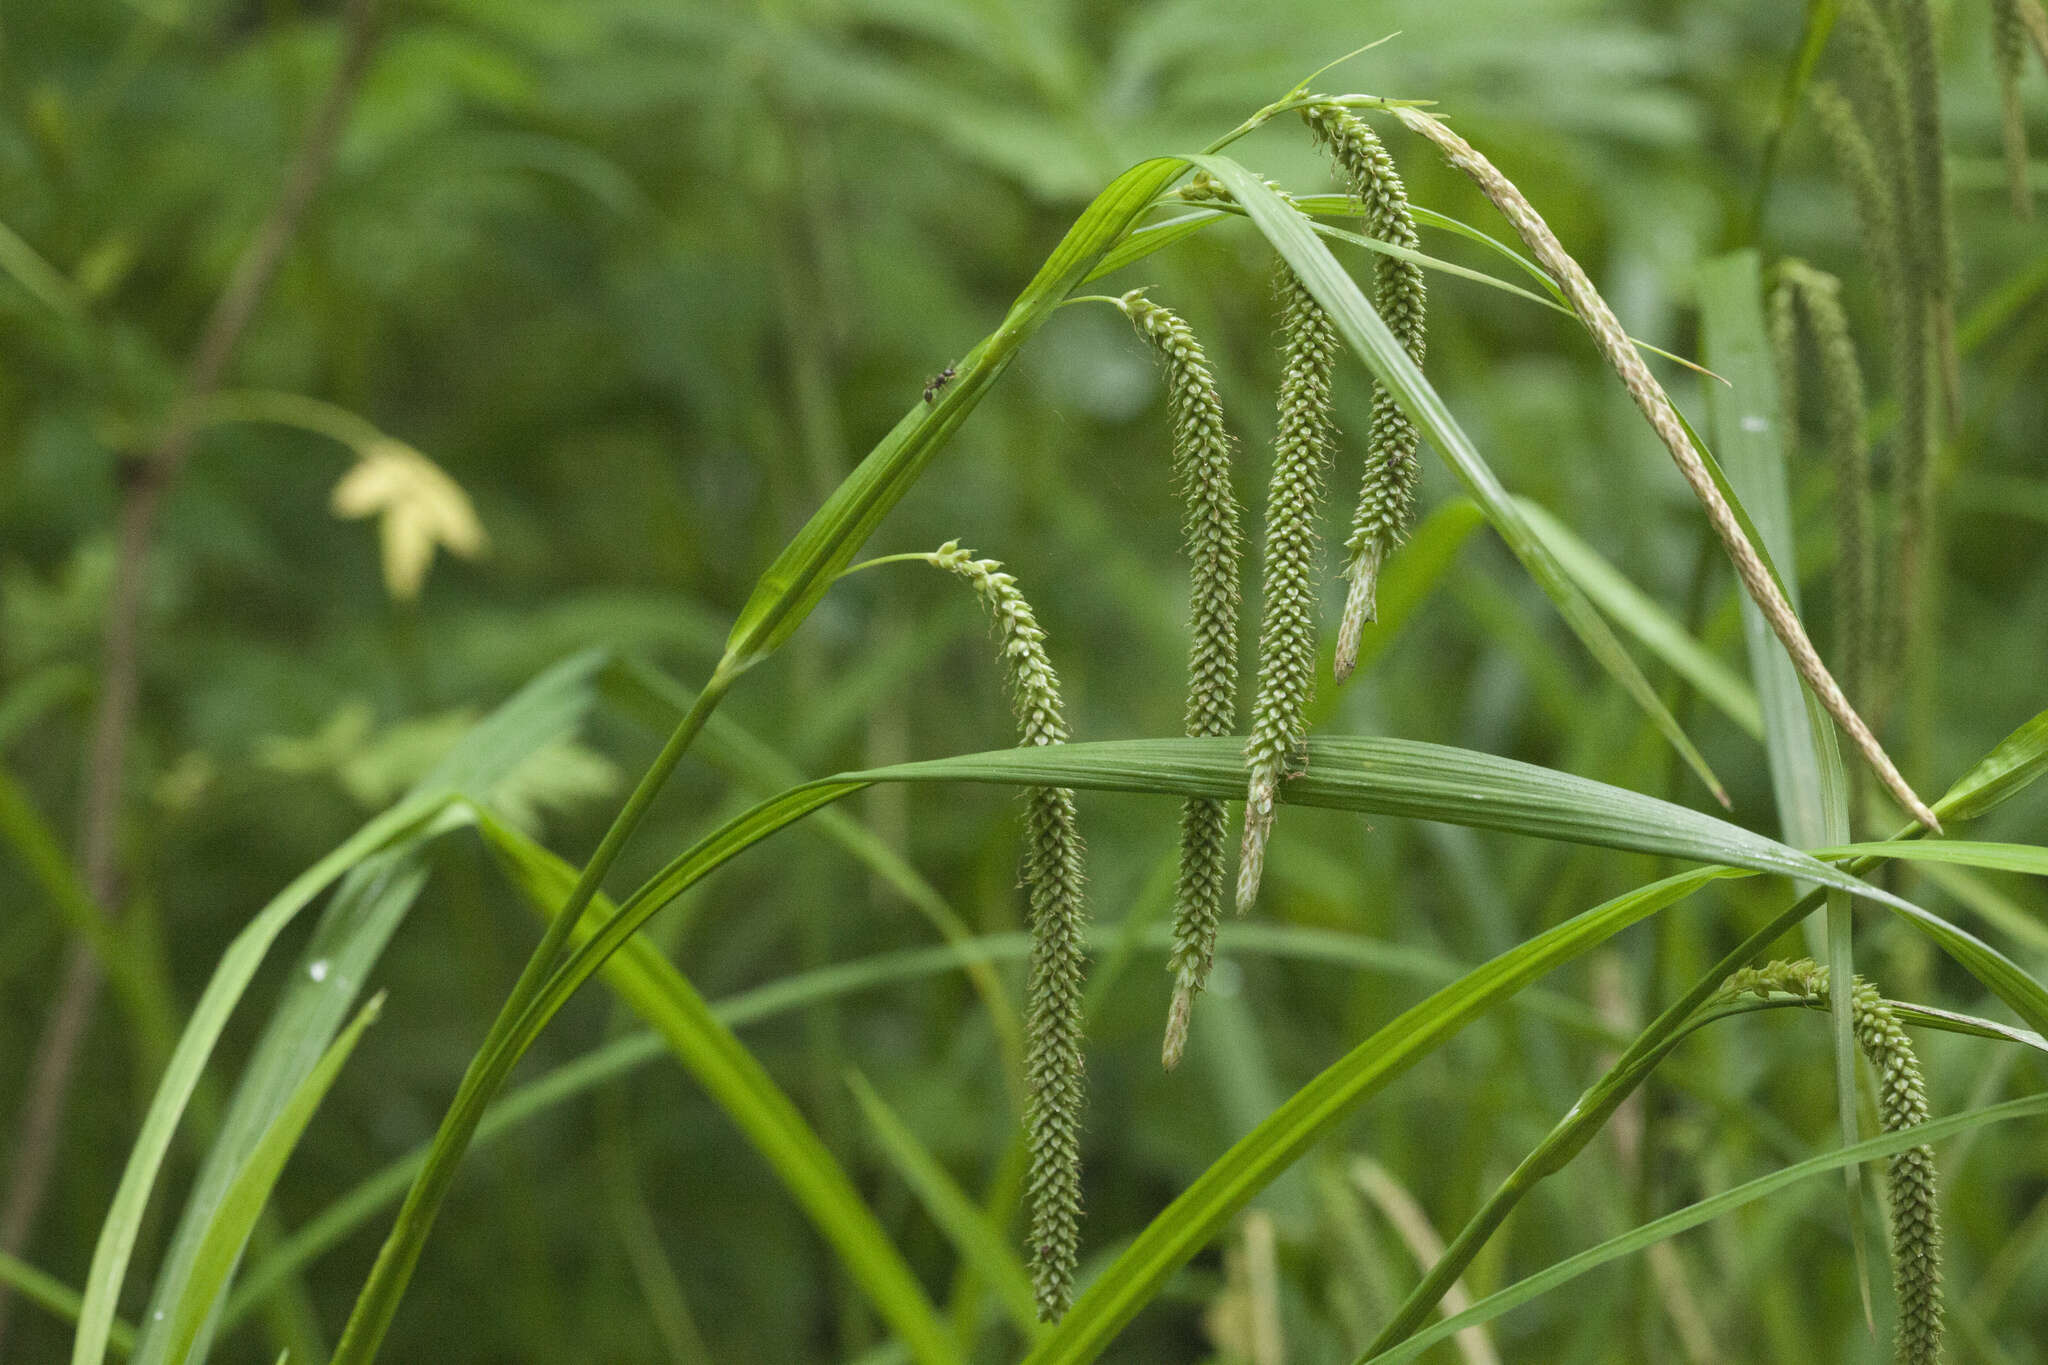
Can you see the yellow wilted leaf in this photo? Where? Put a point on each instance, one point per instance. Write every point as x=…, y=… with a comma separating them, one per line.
x=417, y=506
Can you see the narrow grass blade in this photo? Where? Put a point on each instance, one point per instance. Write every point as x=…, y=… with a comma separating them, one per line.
x=234, y=1216
x=1638, y=614
x=1749, y=438
x=53, y=1296
x=237, y=966
x=759, y=766
x=1430, y=782
x=1205, y=1207
x=1805, y=765
x=1813, y=40
x=1431, y=218
x=1367, y=336
x=35, y=846
x=978, y=1242
x=741, y=1086
x=2031, y=858
x=367, y=908
x=2016, y=764
x=1705, y=1211
x=1151, y=239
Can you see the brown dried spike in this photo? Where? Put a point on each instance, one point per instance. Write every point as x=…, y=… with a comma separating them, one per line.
x=1656, y=407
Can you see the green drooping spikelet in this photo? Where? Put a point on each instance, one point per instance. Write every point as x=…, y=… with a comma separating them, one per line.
x=1910, y=1178
x=1287, y=621
x=1387, y=496
x=1887, y=215
x=1214, y=543
x=1801, y=288
x=1930, y=188
x=2008, y=39
x=1877, y=209
x=1053, y=881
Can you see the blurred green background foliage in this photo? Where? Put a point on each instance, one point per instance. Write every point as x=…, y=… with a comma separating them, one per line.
x=646, y=279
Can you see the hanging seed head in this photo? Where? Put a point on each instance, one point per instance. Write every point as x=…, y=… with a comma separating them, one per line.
x=1913, y=269
x=1387, y=496
x=1287, y=623
x=1877, y=208
x=1655, y=405
x=1213, y=539
x=1922, y=61
x=1053, y=880
x=1214, y=544
x=1910, y=1176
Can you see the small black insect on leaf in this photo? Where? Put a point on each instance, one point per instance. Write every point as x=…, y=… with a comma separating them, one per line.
x=937, y=383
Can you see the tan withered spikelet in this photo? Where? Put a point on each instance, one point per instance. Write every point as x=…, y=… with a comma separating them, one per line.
x=1053, y=879
x=1214, y=544
x=1801, y=288
x=1386, y=498
x=2008, y=55
x=1656, y=406
x=1287, y=622
x=1910, y=1177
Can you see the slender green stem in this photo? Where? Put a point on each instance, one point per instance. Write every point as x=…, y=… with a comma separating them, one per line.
x=1590, y=1115
x=378, y=1300
x=907, y=557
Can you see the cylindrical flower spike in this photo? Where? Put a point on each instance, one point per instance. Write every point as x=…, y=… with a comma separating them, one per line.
x=1910, y=1177
x=1214, y=543
x=1053, y=880
x=1287, y=623
x=1386, y=497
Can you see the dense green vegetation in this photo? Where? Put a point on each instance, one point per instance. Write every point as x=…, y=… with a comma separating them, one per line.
x=413, y=412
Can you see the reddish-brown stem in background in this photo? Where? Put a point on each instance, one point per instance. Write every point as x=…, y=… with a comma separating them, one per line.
x=144, y=486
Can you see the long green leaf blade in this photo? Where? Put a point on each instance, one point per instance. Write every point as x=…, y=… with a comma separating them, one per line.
x=234, y=1216
x=979, y=1243
x=1367, y=336
x=662, y=996
x=237, y=966
x=1705, y=1211
x=1805, y=764
x=1202, y=1210
x=359, y=921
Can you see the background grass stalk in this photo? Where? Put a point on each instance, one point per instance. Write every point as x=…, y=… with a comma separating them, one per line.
x=106, y=763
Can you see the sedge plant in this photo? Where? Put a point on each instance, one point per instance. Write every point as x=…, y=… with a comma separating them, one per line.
x=1332, y=331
